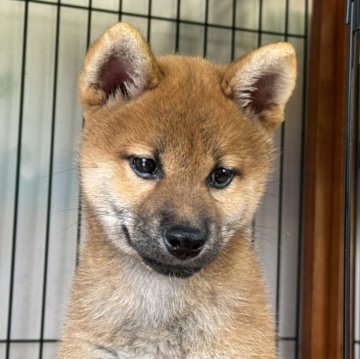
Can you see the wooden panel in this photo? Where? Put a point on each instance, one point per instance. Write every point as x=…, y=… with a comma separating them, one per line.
x=324, y=187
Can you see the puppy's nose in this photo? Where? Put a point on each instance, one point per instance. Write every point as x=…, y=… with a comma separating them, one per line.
x=184, y=242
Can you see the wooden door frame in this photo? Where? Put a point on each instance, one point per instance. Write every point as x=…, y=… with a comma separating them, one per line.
x=322, y=277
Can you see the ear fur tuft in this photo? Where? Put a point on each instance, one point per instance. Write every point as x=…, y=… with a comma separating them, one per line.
x=262, y=82
x=119, y=65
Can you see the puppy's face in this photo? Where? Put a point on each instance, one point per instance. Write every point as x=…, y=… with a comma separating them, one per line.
x=175, y=152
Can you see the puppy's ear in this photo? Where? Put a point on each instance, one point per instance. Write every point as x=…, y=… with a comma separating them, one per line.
x=119, y=65
x=262, y=82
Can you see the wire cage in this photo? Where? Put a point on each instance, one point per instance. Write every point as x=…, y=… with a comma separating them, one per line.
x=40, y=222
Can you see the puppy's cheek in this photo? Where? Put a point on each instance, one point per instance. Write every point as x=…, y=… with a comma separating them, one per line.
x=233, y=217
x=113, y=211
x=227, y=232
x=239, y=203
x=231, y=211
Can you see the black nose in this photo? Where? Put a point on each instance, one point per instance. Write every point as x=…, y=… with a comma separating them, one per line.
x=184, y=242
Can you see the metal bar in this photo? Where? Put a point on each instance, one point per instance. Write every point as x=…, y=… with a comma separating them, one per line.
x=259, y=31
x=233, y=27
x=286, y=26
x=356, y=277
x=301, y=198
x=206, y=27
x=148, y=35
x=17, y=180
x=280, y=204
x=89, y=23
x=176, y=20
x=78, y=234
x=24, y=341
x=177, y=33
x=50, y=174
x=348, y=12
x=355, y=282
x=120, y=10
x=348, y=187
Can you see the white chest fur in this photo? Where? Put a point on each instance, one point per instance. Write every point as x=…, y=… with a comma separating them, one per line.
x=160, y=317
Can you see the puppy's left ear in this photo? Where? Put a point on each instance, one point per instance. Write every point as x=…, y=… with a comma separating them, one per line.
x=262, y=82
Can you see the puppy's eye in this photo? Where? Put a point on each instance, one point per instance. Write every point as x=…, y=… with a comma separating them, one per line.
x=144, y=167
x=220, y=177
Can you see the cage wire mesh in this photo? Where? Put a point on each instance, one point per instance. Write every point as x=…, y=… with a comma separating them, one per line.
x=40, y=223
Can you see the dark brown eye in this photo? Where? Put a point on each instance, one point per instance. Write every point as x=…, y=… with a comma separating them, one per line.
x=144, y=167
x=221, y=177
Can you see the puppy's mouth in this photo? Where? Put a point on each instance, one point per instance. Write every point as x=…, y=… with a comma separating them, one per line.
x=170, y=270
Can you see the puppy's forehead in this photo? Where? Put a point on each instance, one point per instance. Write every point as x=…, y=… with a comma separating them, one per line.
x=187, y=115
x=191, y=84
x=189, y=108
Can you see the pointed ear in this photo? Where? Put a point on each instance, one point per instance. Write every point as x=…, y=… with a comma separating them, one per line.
x=262, y=82
x=119, y=65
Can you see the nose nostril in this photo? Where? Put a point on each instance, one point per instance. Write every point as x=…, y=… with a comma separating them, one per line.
x=175, y=243
x=197, y=246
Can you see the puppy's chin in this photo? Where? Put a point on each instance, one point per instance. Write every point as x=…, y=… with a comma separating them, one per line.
x=170, y=270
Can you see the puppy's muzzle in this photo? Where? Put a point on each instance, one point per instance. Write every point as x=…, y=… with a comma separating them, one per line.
x=184, y=242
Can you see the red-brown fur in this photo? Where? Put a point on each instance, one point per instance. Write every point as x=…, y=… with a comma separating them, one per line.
x=192, y=113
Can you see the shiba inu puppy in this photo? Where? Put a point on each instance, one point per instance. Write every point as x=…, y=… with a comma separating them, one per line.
x=174, y=159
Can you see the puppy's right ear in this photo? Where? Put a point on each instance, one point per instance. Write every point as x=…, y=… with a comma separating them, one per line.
x=119, y=66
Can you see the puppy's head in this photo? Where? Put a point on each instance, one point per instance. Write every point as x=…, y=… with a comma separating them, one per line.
x=176, y=150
